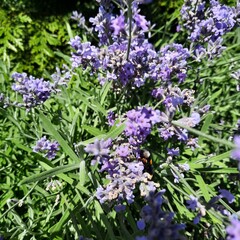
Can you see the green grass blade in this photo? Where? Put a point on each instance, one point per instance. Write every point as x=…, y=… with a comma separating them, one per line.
x=49, y=127
x=50, y=173
x=202, y=185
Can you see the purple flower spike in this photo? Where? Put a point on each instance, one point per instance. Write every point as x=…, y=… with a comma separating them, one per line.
x=48, y=148
x=160, y=223
x=233, y=230
x=118, y=24
x=122, y=151
x=235, y=154
x=141, y=224
x=226, y=194
x=192, y=203
x=33, y=90
x=99, y=147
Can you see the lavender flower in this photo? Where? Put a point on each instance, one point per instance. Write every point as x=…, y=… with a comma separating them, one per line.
x=47, y=147
x=61, y=77
x=33, y=90
x=171, y=62
x=173, y=97
x=233, y=230
x=114, y=60
x=139, y=123
x=181, y=168
x=125, y=172
x=191, y=121
x=195, y=205
x=160, y=223
x=111, y=118
x=118, y=24
x=235, y=154
x=207, y=25
x=226, y=194
x=4, y=101
x=79, y=18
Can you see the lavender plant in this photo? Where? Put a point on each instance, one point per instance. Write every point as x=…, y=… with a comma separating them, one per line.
x=134, y=139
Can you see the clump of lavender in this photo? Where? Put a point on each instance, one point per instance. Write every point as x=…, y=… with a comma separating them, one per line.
x=173, y=98
x=233, y=230
x=170, y=62
x=207, y=25
x=195, y=205
x=4, y=101
x=33, y=90
x=139, y=123
x=120, y=161
x=124, y=55
x=79, y=18
x=48, y=148
x=160, y=223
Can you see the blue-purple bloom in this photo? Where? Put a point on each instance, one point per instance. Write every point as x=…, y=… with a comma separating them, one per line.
x=79, y=18
x=47, y=147
x=206, y=26
x=139, y=123
x=125, y=172
x=226, y=194
x=195, y=205
x=233, y=230
x=160, y=223
x=128, y=65
x=118, y=24
x=33, y=90
x=235, y=154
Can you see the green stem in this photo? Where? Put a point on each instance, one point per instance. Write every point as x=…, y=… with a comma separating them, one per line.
x=129, y=2
x=204, y=135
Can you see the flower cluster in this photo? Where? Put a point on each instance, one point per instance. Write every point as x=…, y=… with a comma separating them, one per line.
x=173, y=97
x=123, y=62
x=124, y=171
x=195, y=205
x=36, y=91
x=4, y=101
x=233, y=230
x=170, y=62
x=160, y=223
x=33, y=90
x=47, y=147
x=181, y=168
x=139, y=123
x=207, y=25
x=79, y=18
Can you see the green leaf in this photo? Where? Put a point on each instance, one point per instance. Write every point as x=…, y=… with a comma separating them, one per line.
x=82, y=173
x=202, y=185
x=50, y=173
x=204, y=135
x=113, y=133
x=217, y=170
x=49, y=127
x=205, y=126
x=215, y=95
x=92, y=130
